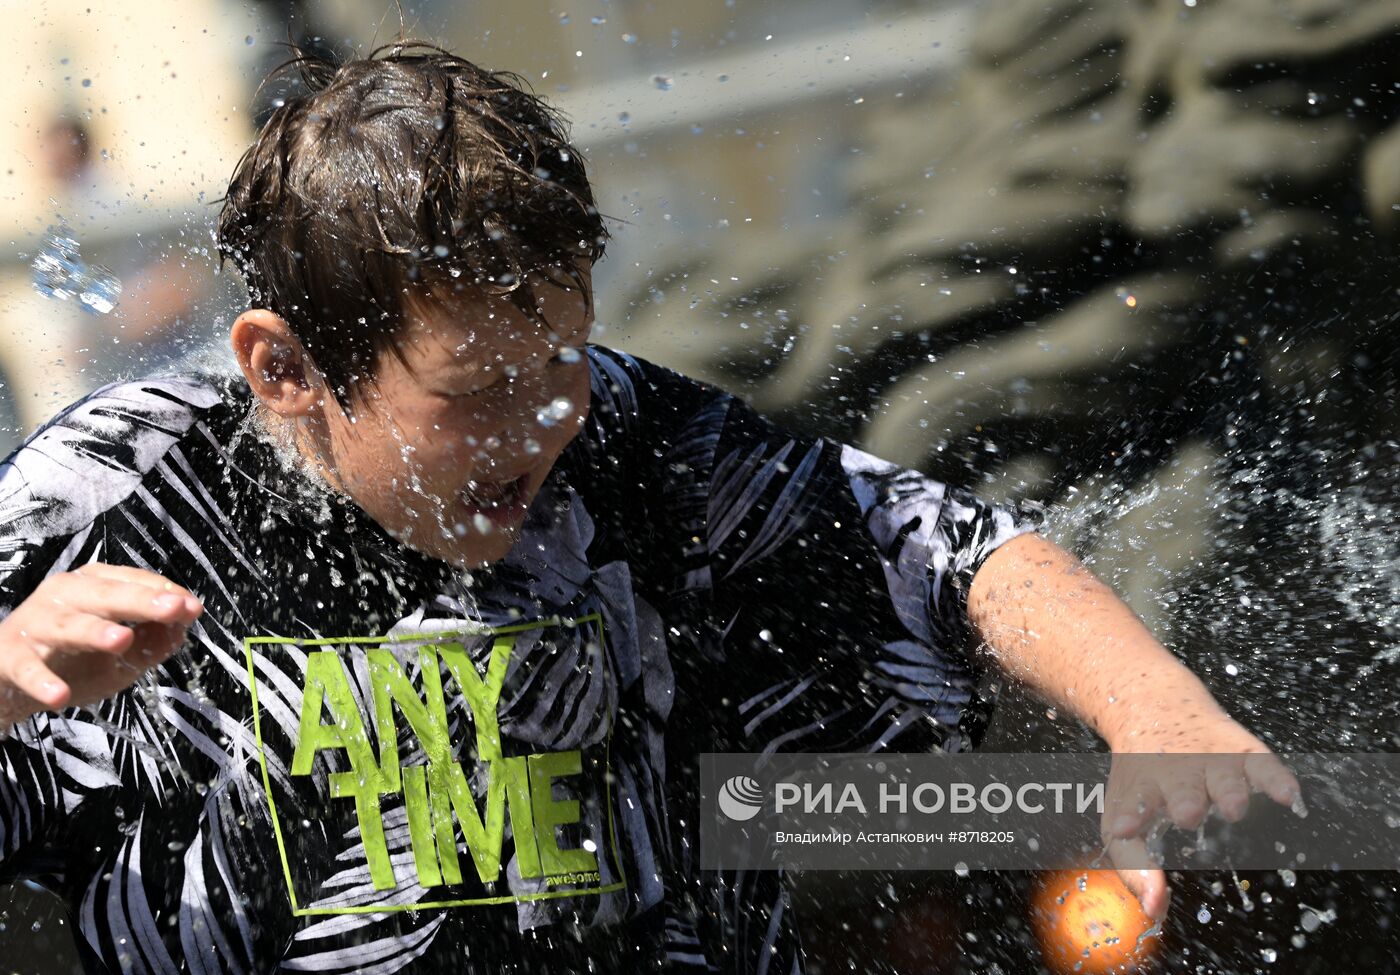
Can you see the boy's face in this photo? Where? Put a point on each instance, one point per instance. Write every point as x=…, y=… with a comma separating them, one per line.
x=448, y=447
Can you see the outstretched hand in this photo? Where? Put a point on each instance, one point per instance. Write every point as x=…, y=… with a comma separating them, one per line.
x=86, y=635
x=1181, y=776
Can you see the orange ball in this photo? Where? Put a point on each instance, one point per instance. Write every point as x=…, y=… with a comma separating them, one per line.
x=1088, y=923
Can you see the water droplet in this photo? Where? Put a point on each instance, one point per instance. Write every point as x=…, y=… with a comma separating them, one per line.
x=559, y=409
x=1269, y=955
x=1313, y=918
x=624, y=117
x=87, y=82
x=532, y=446
x=569, y=354
x=664, y=82
x=629, y=38
x=564, y=18
x=249, y=40
x=960, y=869
x=1203, y=915
x=597, y=21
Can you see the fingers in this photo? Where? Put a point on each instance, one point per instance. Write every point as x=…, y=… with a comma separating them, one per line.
x=145, y=577
x=1228, y=787
x=1270, y=776
x=133, y=618
x=1147, y=882
x=83, y=631
x=154, y=643
x=25, y=672
x=1183, y=788
x=123, y=600
x=128, y=573
x=1133, y=797
x=1187, y=787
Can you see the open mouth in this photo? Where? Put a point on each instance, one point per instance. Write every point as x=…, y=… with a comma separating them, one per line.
x=495, y=498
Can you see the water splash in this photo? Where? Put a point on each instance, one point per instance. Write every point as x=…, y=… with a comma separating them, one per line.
x=60, y=272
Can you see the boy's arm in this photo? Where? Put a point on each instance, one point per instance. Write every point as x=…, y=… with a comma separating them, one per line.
x=1048, y=622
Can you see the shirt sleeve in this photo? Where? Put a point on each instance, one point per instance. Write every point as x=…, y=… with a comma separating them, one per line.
x=40, y=782
x=56, y=495
x=838, y=581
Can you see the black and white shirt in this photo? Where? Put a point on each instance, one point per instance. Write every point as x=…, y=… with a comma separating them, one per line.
x=364, y=760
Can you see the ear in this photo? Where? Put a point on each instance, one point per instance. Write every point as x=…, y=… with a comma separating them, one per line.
x=277, y=367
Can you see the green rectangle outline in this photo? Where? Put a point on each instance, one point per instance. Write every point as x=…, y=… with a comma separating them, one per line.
x=298, y=911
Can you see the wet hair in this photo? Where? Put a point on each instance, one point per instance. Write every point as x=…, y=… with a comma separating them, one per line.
x=405, y=175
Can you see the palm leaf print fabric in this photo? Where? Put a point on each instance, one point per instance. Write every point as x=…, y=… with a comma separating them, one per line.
x=364, y=760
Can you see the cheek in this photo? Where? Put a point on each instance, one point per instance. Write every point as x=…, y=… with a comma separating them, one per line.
x=365, y=456
x=573, y=387
x=376, y=448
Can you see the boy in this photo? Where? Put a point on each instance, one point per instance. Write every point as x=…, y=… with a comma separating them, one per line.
x=398, y=652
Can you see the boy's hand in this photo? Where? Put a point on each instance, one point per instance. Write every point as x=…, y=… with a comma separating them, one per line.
x=1048, y=622
x=85, y=635
x=1180, y=773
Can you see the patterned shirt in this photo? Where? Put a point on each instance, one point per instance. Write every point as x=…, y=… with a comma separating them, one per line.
x=366, y=760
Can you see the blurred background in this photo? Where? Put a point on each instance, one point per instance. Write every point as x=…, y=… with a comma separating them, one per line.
x=1133, y=259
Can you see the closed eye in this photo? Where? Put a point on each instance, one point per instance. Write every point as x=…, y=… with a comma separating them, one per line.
x=565, y=354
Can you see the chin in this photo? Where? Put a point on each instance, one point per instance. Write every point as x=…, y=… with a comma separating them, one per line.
x=472, y=561
x=478, y=552
x=472, y=551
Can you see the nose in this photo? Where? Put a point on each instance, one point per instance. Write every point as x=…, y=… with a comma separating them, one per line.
x=517, y=429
